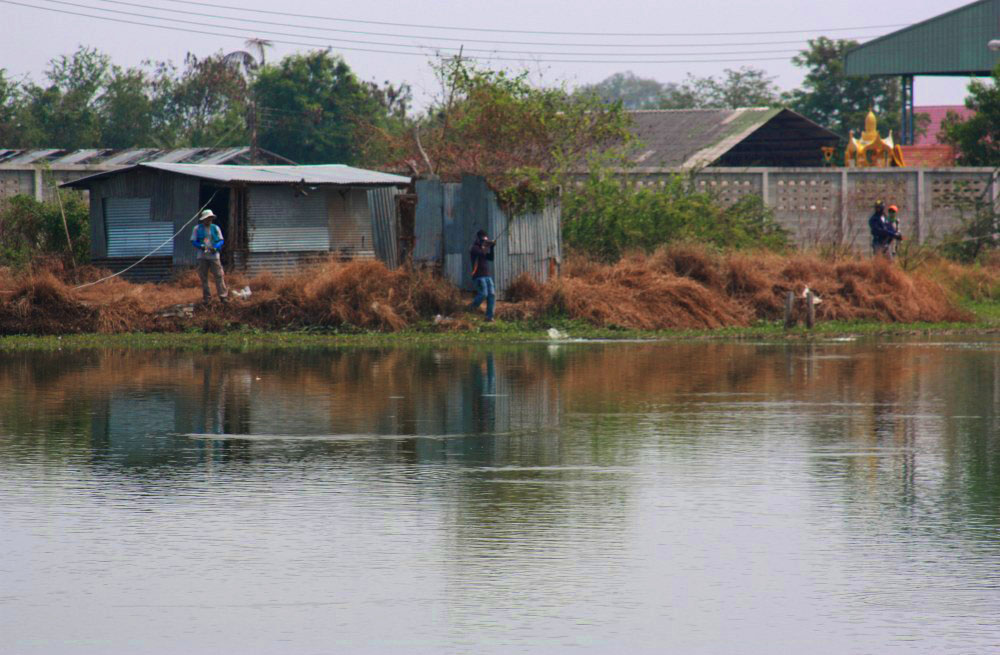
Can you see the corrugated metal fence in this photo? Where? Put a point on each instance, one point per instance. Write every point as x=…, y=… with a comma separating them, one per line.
x=385, y=229
x=448, y=215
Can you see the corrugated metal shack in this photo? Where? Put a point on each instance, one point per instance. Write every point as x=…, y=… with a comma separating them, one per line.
x=448, y=215
x=274, y=218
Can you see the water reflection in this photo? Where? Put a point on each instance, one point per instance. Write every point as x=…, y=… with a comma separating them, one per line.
x=605, y=495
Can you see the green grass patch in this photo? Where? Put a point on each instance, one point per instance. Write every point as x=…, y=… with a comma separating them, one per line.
x=500, y=332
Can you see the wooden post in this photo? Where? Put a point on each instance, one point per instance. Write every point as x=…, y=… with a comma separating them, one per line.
x=810, y=310
x=69, y=242
x=789, y=306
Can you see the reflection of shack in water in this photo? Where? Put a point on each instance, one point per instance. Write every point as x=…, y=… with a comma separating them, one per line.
x=196, y=406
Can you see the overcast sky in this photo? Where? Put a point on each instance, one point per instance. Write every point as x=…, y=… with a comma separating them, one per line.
x=681, y=36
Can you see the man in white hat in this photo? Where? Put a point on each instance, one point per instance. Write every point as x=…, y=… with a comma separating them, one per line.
x=207, y=238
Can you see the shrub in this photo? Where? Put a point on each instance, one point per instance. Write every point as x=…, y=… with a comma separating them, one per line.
x=605, y=217
x=29, y=229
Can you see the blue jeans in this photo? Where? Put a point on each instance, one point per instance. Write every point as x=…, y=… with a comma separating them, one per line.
x=484, y=289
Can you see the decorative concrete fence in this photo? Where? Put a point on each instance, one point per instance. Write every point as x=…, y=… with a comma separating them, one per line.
x=831, y=206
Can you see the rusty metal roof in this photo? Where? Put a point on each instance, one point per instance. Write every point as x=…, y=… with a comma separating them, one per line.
x=339, y=174
x=104, y=157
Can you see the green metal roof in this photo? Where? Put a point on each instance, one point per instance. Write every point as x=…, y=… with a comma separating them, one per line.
x=953, y=43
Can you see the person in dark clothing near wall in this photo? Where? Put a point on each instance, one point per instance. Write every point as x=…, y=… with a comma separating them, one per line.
x=883, y=233
x=481, y=256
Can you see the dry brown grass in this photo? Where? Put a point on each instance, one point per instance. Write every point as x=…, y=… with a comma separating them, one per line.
x=683, y=286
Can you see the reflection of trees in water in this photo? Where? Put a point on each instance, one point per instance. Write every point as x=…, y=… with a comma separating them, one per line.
x=525, y=406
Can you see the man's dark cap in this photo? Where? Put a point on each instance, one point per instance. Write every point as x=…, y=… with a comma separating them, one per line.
x=481, y=233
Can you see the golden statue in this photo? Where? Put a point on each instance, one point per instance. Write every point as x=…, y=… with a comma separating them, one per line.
x=871, y=149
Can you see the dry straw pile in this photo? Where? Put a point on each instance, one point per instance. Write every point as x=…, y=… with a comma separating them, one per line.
x=676, y=287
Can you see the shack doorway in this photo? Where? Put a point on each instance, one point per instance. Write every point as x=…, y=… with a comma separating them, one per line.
x=218, y=201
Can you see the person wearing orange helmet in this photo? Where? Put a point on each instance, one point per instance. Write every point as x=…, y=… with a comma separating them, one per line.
x=892, y=218
x=883, y=234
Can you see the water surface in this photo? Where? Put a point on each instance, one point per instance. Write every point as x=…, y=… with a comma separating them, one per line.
x=645, y=497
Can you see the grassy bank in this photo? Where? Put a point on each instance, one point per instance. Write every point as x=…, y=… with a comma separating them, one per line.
x=501, y=332
x=676, y=292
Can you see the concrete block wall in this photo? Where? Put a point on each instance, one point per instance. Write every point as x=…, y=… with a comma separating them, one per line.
x=831, y=206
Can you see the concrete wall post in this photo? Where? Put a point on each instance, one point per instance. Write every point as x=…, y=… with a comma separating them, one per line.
x=39, y=182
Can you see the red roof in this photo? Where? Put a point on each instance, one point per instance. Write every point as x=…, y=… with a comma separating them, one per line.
x=937, y=114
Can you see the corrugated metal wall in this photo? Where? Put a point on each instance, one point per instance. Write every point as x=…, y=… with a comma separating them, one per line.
x=350, y=223
x=527, y=243
x=385, y=224
x=280, y=221
x=427, y=245
x=131, y=232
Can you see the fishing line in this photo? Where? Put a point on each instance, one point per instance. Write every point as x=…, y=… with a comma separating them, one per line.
x=149, y=254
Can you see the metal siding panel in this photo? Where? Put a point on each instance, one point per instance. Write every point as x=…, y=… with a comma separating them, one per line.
x=277, y=221
x=427, y=226
x=130, y=231
x=385, y=237
x=283, y=263
x=185, y=206
x=454, y=225
x=496, y=224
x=151, y=269
x=456, y=270
x=350, y=223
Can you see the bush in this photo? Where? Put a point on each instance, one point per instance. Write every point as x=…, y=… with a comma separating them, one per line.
x=29, y=229
x=605, y=217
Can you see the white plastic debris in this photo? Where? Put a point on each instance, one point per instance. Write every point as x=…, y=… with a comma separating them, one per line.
x=241, y=293
x=555, y=334
x=805, y=294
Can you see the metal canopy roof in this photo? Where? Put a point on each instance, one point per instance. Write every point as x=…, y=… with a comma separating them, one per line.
x=953, y=43
x=316, y=174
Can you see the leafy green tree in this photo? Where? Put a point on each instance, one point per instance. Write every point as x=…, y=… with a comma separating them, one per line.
x=840, y=102
x=310, y=107
x=521, y=138
x=11, y=111
x=632, y=91
x=745, y=87
x=126, y=110
x=64, y=113
x=204, y=105
x=977, y=138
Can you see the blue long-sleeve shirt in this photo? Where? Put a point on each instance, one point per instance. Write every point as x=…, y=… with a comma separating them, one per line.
x=212, y=236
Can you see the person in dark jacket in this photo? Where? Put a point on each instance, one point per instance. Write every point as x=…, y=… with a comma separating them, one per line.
x=481, y=256
x=883, y=234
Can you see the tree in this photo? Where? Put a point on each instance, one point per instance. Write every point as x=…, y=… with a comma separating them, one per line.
x=11, y=109
x=632, y=91
x=521, y=138
x=746, y=87
x=205, y=105
x=125, y=109
x=837, y=101
x=977, y=138
x=310, y=107
x=64, y=113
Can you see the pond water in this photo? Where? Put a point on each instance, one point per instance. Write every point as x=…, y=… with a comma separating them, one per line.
x=833, y=497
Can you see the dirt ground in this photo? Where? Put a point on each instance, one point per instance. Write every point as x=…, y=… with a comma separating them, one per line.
x=676, y=287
